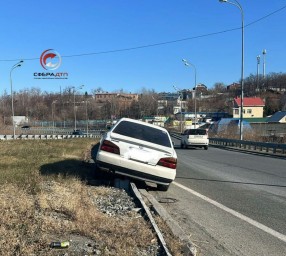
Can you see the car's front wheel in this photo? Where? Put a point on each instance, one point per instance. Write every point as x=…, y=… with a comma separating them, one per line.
x=162, y=187
x=206, y=147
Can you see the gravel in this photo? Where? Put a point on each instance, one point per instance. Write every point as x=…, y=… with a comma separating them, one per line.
x=119, y=204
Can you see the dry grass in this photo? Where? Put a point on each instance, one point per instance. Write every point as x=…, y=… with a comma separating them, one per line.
x=60, y=210
x=44, y=198
x=175, y=246
x=22, y=160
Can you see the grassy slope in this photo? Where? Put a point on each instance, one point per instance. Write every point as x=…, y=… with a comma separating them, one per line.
x=43, y=198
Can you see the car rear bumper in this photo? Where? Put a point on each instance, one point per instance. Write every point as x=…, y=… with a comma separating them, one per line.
x=197, y=144
x=139, y=171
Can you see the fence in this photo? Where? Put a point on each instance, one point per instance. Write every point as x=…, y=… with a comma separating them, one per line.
x=47, y=137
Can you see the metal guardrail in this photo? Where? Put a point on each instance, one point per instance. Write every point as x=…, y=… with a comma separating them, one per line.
x=274, y=148
x=175, y=135
x=262, y=147
x=46, y=137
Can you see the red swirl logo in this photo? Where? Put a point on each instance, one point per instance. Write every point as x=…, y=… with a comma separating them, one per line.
x=50, y=59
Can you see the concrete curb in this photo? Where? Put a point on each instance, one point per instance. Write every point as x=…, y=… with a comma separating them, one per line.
x=156, y=228
x=190, y=249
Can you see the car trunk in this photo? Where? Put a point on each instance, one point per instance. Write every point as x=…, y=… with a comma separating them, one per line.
x=139, y=150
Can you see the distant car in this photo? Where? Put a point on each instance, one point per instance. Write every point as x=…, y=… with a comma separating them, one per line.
x=78, y=132
x=25, y=127
x=195, y=138
x=138, y=150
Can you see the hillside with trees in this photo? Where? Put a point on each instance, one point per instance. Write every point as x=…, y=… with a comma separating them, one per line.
x=46, y=106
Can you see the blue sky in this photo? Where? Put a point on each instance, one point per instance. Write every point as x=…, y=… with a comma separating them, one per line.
x=102, y=27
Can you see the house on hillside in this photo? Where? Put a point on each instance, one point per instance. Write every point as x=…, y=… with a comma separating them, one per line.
x=233, y=86
x=252, y=107
x=278, y=117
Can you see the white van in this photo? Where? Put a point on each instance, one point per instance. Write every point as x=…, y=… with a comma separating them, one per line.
x=195, y=138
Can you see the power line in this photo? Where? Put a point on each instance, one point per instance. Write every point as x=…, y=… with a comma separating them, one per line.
x=161, y=43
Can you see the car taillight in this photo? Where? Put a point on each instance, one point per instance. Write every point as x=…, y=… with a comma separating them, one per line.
x=168, y=162
x=110, y=147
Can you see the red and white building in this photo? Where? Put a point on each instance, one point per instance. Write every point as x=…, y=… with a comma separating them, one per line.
x=252, y=107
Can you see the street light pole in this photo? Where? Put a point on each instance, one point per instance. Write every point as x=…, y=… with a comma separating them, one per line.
x=74, y=107
x=12, y=99
x=258, y=63
x=74, y=110
x=157, y=111
x=264, y=62
x=180, y=95
x=53, y=114
x=237, y=4
x=86, y=113
x=187, y=63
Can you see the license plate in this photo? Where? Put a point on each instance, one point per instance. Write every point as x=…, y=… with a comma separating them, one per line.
x=139, y=155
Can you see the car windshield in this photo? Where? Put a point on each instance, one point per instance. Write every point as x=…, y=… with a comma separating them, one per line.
x=197, y=132
x=143, y=132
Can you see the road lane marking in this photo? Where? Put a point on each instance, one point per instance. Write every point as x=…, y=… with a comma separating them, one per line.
x=234, y=213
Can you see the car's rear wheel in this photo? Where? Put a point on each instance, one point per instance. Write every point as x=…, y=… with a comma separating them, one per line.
x=206, y=147
x=162, y=187
x=183, y=145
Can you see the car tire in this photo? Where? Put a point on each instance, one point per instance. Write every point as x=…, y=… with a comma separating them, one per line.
x=183, y=145
x=162, y=187
x=206, y=147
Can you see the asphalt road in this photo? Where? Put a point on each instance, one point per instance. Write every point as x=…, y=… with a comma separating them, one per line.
x=230, y=203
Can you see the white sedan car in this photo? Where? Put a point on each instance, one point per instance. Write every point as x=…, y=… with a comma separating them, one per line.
x=139, y=150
